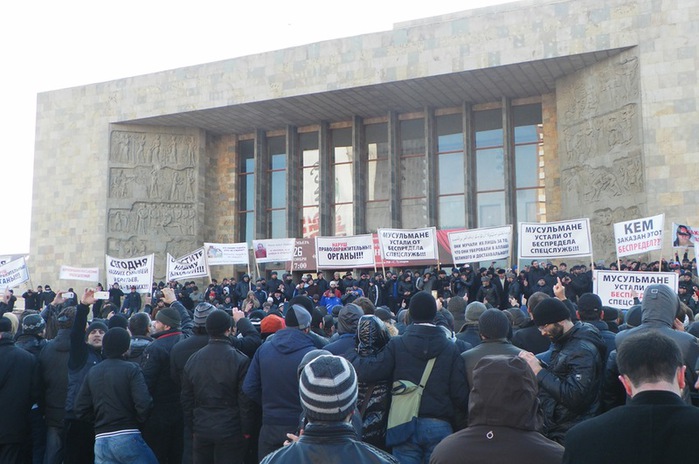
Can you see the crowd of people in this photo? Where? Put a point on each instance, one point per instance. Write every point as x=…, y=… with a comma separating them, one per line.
x=500, y=364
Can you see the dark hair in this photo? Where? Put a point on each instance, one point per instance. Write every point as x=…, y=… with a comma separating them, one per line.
x=139, y=323
x=65, y=318
x=649, y=357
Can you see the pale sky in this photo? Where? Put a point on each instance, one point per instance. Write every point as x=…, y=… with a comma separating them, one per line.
x=49, y=45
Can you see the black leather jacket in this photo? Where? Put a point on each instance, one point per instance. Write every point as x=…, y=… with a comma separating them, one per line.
x=329, y=443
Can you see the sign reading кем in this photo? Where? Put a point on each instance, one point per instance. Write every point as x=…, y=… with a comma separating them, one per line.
x=639, y=235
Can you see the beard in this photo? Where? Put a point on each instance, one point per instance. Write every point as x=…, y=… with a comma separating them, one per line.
x=556, y=332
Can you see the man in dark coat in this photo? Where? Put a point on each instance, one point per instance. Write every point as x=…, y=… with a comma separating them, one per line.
x=570, y=384
x=528, y=337
x=656, y=426
x=214, y=405
x=503, y=419
x=17, y=368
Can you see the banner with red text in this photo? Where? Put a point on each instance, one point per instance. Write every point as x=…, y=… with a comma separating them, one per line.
x=345, y=252
x=87, y=274
x=639, y=235
x=617, y=288
x=555, y=239
x=129, y=272
x=13, y=273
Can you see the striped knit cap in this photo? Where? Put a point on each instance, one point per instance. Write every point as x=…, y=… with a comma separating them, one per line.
x=328, y=389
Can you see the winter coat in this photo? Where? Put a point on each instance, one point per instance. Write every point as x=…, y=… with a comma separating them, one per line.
x=486, y=348
x=504, y=419
x=17, y=370
x=329, y=443
x=213, y=401
x=272, y=379
x=53, y=375
x=570, y=386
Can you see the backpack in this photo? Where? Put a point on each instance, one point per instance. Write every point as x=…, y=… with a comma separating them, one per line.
x=405, y=406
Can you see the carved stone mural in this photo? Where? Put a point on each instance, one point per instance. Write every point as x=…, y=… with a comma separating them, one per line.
x=152, y=195
x=601, y=160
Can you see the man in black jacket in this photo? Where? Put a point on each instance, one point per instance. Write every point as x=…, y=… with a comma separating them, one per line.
x=17, y=368
x=115, y=397
x=214, y=405
x=569, y=386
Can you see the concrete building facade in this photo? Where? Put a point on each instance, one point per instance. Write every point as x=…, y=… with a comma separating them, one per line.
x=528, y=111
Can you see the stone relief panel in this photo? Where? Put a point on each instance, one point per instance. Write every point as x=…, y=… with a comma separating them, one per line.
x=152, y=195
x=600, y=146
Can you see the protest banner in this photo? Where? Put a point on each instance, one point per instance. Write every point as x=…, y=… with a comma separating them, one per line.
x=219, y=254
x=189, y=266
x=345, y=252
x=274, y=250
x=615, y=288
x=685, y=236
x=408, y=244
x=13, y=273
x=87, y=274
x=130, y=272
x=639, y=235
x=554, y=239
x=487, y=244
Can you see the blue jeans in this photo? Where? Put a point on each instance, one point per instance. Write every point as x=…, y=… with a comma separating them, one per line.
x=418, y=449
x=123, y=449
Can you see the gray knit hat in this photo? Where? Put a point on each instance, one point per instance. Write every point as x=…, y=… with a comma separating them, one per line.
x=201, y=311
x=328, y=389
x=474, y=311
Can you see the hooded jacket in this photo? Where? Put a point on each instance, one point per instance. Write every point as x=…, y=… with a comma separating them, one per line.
x=504, y=419
x=272, y=379
x=346, y=329
x=570, y=386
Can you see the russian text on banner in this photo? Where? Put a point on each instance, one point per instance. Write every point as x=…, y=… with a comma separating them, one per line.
x=468, y=246
x=345, y=252
x=555, y=239
x=407, y=244
x=274, y=250
x=219, y=254
x=87, y=274
x=615, y=288
x=129, y=272
x=13, y=273
x=639, y=235
x=189, y=266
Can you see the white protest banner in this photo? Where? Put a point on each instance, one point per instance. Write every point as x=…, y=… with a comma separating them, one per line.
x=406, y=244
x=555, y=239
x=129, y=272
x=345, y=252
x=615, y=288
x=218, y=254
x=639, y=235
x=88, y=274
x=188, y=266
x=274, y=250
x=468, y=246
x=685, y=236
x=5, y=259
x=13, y=273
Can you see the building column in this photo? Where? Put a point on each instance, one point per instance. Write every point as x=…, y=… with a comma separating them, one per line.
x=294, y=183
x=359, y=166
x=394, y=219
x=431, y=164
x=470, y=180
x=327, y=179
x=262, y=185
x=508, y=147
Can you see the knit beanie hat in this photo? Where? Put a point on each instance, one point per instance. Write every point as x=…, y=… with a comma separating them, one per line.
x=297, y=317
x=116, y=342
x=474, y=311
x=589, y=303
x=170, y=317
x=423, y=307
x=201, y=312
x=118, y=320
x=493, y=324
x=33, y=324
x=271, y=324
x=633, y=316
x=328, y=389
x=218, y=322
x=95, y=325
x=549, y=311
x=5, y=325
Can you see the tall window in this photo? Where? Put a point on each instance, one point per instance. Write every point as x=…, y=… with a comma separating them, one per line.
x=377, y=185
x=246, y=177
x=490, y=168
x=451, y=206
x=343, y=217
x=276, y=147
x=413, y=174
x=529, y=163
x=310, y=173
